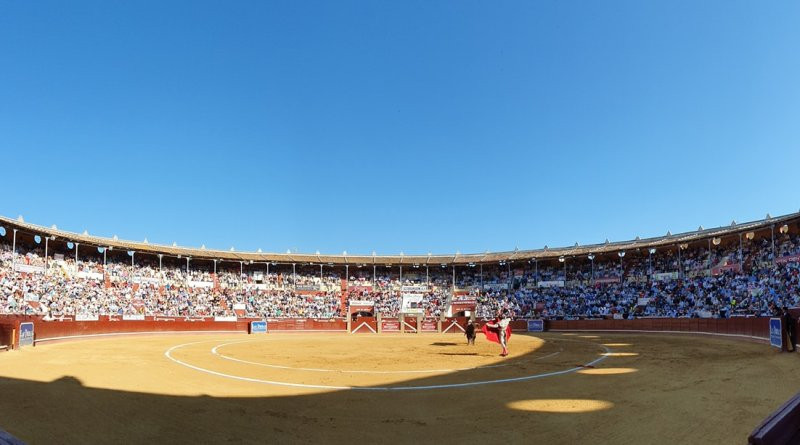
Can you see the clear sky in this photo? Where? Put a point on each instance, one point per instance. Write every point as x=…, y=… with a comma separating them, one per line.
x=414, y=126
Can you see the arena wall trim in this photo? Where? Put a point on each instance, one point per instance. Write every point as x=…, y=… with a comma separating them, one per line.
x=746, y=328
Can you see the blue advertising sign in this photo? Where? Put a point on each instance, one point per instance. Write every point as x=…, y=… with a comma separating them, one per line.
x=535, y=325
x=25, y=334
x=258, y=327
x=775, y=332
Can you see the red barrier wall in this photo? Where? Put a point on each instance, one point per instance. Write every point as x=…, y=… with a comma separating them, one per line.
x=750, y=327
x=47, y=330
x=44, y=330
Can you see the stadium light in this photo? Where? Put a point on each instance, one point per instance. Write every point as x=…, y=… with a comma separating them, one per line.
x=621, y=253
x=749, y=236
x=784, y=229
x=652, y=250
x=716, y=241
x=561, y=259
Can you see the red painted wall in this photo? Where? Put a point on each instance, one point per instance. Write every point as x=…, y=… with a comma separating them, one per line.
x=754, y=327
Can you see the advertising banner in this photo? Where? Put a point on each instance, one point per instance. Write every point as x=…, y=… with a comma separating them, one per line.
x=27, y=268
x=415, y=289
x=25, y=334
x=390, y=325
x=788, y=259
x=429, y=325
x=535, y=325
x=258, y=327
x=201, y=284
x=412, y=304
x=133, y=317
x=496, y=286
x=87, y=317
x=90, y=275
x=225, y=318
x=664, y=276
x=552, y=283
x=307, y=287
x=721, y=269
x=775, y=333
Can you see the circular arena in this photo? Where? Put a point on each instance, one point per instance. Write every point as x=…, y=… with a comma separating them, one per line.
x=663, y=340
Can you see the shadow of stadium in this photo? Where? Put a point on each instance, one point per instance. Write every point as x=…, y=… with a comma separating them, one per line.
x=66, y=411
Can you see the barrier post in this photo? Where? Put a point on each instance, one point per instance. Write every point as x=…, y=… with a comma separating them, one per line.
x=419, y=323
x=380, y=329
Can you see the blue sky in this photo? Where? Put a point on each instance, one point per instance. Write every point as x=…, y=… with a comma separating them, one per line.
x=414, y=126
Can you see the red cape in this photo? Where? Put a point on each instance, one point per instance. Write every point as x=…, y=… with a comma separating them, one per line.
x=491, y=333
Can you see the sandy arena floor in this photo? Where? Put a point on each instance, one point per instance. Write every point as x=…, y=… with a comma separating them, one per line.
x=289, y=388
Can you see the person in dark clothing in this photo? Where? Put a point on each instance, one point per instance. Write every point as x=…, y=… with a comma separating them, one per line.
x=789, y=325
x=470, y=332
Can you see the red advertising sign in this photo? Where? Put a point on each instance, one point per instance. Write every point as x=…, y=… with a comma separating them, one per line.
x=390, y=325
x=429, y=325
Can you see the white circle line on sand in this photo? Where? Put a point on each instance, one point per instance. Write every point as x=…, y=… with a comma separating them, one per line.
x=168, y=354
x=215, y=351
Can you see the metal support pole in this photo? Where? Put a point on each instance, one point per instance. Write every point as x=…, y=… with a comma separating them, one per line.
x=680, y=265
x=215, y=267
x=76, y=253
x=160, y=255
x=772, y=237
x=454, y=277
x=536, y=266
x=427, y=276
x=133, y=254
x=241, y=269
x=709, y=253
x=187, y=267
x=320, y=273
x=46, y=263
x=294, y=275
x=741, y=257
x=105, y=259
x=14, y=251
x=481, y=289
x=347, y=276
x=374, y=274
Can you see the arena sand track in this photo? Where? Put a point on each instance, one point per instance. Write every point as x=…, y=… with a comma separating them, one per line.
x=649, y=389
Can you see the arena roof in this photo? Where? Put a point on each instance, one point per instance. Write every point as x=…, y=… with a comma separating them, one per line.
x=668, y=240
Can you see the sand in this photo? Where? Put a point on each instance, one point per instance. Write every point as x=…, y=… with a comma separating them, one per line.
x=337, y=388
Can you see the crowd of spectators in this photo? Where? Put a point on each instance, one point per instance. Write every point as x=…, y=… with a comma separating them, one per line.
x=750, y=279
